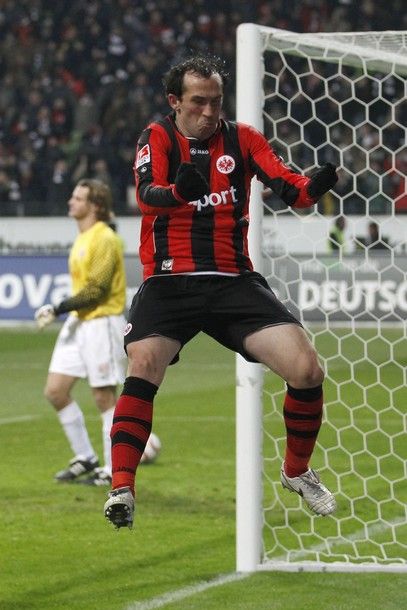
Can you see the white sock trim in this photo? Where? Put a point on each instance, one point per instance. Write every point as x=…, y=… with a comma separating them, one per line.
x=107, y=420
x=70, y=413
x=73, y=424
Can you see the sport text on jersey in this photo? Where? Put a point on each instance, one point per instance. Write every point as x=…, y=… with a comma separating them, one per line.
x=214, y=199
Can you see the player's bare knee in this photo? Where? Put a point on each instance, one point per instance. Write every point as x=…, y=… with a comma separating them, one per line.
x=105, y=398
x=49, y=394
x=54, y=396
x=144, y=367
x=316, y=376
x=308, y=373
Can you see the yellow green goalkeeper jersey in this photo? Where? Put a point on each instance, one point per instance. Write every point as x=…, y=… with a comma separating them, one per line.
x=96, y=265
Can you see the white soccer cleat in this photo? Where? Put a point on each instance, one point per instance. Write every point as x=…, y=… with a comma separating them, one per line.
x=308, y=485
x=119, y=508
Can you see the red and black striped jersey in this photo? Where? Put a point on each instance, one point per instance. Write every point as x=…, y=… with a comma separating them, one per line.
x=210, y=234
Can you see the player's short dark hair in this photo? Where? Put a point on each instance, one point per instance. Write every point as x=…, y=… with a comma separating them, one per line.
x=100, y=195
x=203, y=65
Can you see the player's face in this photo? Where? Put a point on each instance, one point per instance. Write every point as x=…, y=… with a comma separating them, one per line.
x=198, y=110
x=79, y=204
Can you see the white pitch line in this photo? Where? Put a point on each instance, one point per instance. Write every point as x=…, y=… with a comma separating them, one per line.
x=186, y=418
x=13, y=366
x=174, y=596
x=14, y=420
x=199, y=418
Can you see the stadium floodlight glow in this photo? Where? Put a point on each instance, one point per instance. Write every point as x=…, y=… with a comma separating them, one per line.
x=338, y=97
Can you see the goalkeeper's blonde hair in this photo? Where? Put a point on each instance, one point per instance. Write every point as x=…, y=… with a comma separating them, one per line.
x=101, y=196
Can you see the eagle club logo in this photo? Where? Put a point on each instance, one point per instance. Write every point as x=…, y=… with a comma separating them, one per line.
x=143, y=156
x=225, y=164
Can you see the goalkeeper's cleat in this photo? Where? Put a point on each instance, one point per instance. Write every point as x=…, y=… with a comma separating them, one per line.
x=119, y=508
x=78, y=466
x=98, y=478
x=308, y=485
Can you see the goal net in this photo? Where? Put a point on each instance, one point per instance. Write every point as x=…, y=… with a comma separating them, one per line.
x=339, y=98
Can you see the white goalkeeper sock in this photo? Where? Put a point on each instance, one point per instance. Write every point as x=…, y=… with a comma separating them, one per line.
x=107, y=420
x=73, y=423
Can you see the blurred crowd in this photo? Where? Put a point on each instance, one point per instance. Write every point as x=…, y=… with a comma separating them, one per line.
x=79, y=80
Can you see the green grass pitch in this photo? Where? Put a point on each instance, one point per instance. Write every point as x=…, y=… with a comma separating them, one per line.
x=58, y=553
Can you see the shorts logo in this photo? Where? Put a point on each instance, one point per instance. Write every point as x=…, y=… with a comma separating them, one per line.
x=143, y=156
x=127, y=329
x=166, y=265
x=225, y=164
x=104, y=369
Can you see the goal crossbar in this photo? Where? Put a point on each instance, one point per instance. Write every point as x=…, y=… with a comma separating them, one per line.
x=334, y=46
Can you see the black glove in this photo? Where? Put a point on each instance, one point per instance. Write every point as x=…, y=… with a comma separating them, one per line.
x=189, y=182
x=322, y=180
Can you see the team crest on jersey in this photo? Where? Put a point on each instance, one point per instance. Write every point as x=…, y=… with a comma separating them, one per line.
x=225, y=164
x=143, y=156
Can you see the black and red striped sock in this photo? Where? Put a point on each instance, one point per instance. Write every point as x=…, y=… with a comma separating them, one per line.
x=132, y=421
x=302, y=417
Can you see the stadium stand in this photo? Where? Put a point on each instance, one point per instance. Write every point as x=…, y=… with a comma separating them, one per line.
x=79, y=80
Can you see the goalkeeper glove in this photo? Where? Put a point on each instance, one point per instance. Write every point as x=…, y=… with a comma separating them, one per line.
x=190, y=183
x=45, y=315
x=322, y=180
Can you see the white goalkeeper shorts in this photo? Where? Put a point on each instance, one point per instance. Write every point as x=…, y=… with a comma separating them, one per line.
x=91, y=349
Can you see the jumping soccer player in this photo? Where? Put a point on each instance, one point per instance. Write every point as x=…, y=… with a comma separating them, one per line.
x=193, y=172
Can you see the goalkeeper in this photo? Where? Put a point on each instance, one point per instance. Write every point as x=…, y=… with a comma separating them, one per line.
x=193, y=171
x=90, y=343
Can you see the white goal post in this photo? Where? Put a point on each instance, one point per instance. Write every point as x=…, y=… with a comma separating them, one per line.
x=338, y=97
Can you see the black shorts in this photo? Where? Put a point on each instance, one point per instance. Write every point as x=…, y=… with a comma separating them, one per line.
x=227, y=308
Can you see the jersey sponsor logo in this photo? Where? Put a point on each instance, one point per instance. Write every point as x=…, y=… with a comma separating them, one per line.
x=225, y=164
x=127, y=329
x=214, y=199
x=143, y=156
